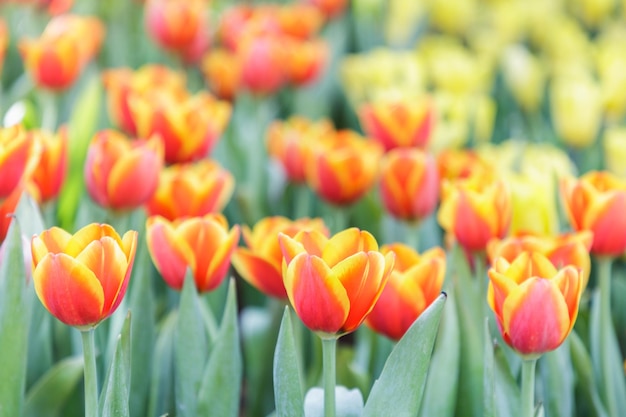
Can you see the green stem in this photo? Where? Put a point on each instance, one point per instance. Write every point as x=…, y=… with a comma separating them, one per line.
x=412, y=235
x=339, y=218
x=49, y=111
x=91, y=380
x=481, y=277
x=606, y=327
x=329, y=348
x=528, y=387
x=302, y=203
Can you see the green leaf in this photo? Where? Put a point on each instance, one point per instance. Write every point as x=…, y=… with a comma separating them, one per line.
x=114, y=397
x=52, y=391
x=221, y=385
x=489, y=377
x=442, y=382
x=40, y=352
x=15, y=313
x=162, y=398
x=557, y=377
x=585, y=386
x=507, y=392
x=190, y=349
x=287, y=386
x=399, y=389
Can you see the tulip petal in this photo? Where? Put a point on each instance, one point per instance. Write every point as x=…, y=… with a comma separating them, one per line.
x=346, y=243
x=88, y=234
x=290, y=247
x=53, y=240
x=500, y=287
x=220, y=261
x=535, y=317
x=69, y=290
x=171, y=255
x=260, y=273
x=133, y=179
x=317, y=296
x=570, y=282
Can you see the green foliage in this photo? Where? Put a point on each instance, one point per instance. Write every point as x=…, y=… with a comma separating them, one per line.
x=287, y=378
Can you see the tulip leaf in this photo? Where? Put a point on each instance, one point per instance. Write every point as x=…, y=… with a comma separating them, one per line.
x=190, y=349
x=15, y=313
x=161, y=397
x=287, y=379
x=585, y=385
x=489, y=381
x=507, y=397
x=40, y=352
x=49, y=395
x=114, y=397
x=442, y=382
x=398, y=391
x=221, y=384
x=557, y=376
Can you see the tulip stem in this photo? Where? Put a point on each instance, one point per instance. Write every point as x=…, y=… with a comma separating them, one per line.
x=606, y=327
x=91, y=380
x=528, y=387
x=329, y=351
x=481, y=276
x=49, y=112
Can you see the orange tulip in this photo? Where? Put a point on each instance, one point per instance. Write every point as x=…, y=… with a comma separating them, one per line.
x=400, y=123
x=299, y=20
x=82, y=278
x=189, y=128
x=330, y=8
x=263, y=63
x=535, y=305
x=566, y=249
x=7, y=209
x=121, y=174
x=150, y=80
x=475, y=210
x=202, y=244
x=343, y=166
x=190, y=190
x=287, y=141
x=174, y=24
x=222, y=71
x=305, y=60
x=19, y=155
x=414, y=284
x=4, y=41
x=260, y=263
x=333, y=283
x=597, y=202
x=460, y=163
x=49, y=174
x=409, y=183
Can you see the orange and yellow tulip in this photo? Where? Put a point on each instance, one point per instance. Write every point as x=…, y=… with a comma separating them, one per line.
x=475, y=210
x=49, y=174
x=566, y=249
x=460, y=163
x=82, y=278
x=19, y=155
x=189, y=190
x=121, y=174
x=414, y=284
x=263, y=63
x=260, y=263
x=4, y=41
x=597, y=202
x=299, y=20
x=342, y=166
x=409, y=183
x=305, y=60
x=222, y=71
x=398, y=123
x=330, y=8
x=175, y=24
x=8, y=206
x=333, y=283
x=203, y=245
x=535, y=304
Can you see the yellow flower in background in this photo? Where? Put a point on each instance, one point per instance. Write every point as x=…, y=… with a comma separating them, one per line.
x=402, y=20
x=610, y=60
x=452, y=16
x=524, y=76
x=566, y=45
x=593, y=12
x=576, y=108
x=614, y=142
x=534, y=204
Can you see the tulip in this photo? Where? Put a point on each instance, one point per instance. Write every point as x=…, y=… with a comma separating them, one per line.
x=524, y=77
x=409, y=184
x=597, y=202
x=191, y=190
x=305, y=60
x=299, y=20
x=203, y=245
x=260, y=263
x=8, y=206
x=561, y=250
x=287, y=142
x=330, y=8
x=475, y=210
x=455, y=164
x=534, y=206
x=222, y=71
x=333, y=283
x=19, y=155
x=82, y=278
x=49, y=174
x=401, y=123
x=174, y=24
x=189, y=128
x=535, y=305
x=343, y=166
x=262, y=63
x=4, y=41
x=413, y=285
x=614, y=142
x=120, y=174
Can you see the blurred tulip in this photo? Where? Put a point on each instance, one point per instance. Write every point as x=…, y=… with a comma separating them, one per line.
x=597, y=202
x=453, y=16
x=4, y=41
x=305, y=60
x=594, y=12
x=455, y=164
x=203, y=245
x=535, y=305
x=150, y=80
x=576, y=108
x=82, y=278
x=475, y=210
x=49, y=174
x=19, y=156
x=263, y=63
x=121, y=174
x=333, y=283
x=414, y=283
x=409, y=184
x=561, y=250
x=401, y=123
x=174, y=24
x=524, y=77
x=534, y=204
x=610, y=60
x=8, y=205
x=330, y=8
x=342, y=166
x=300, y=20
x=260, y=263
x=191, y=190
x=243, y=21
x=189, y=128
x=287, y=142
x=222, y=71
x=614, y=142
